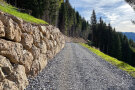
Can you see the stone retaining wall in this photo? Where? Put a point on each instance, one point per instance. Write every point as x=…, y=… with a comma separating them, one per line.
x=25, y=49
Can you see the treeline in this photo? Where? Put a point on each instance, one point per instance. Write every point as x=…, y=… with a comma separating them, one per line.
x=56, y=12
x=111, y=42
x=71, y=23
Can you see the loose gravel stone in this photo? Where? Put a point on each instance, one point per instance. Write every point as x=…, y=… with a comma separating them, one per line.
x=77, y=68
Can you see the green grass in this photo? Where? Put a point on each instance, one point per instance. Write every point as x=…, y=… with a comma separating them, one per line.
x=13, y=11
x=133, y=49
x=121, y=65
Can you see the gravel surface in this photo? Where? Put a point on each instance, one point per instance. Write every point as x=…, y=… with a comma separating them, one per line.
x=76, y=68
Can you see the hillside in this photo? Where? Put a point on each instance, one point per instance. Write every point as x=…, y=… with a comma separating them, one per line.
x=130, y=35
x=15, y=12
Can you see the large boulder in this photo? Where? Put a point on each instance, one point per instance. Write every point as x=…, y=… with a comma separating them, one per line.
x=27, y=40
x=36, y=35
x=47, y=34
x=12, y=28
x=27, y=28
x=17, y=20
x=38, y=64
x=42, y=29
x=49, y=44
x=34, y=67
x=42, y=61
x=5, y=65
x=35, y=51
x=55, y=31
x=27, y=60
x=43, y=47
x=13, y=51
x=13, y=31
x=19, y=77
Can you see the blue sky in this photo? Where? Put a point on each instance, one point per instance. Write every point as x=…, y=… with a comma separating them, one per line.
x=116, y=12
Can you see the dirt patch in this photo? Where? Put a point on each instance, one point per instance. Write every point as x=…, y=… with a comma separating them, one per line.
x=75, y=39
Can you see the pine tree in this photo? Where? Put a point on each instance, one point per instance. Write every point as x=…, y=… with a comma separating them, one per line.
x=118, y=48
x=93, y=26
x=63, y=19
x=46, y=11
x=53, y=8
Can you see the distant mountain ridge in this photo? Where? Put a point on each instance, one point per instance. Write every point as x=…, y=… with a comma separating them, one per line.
x=130, y=35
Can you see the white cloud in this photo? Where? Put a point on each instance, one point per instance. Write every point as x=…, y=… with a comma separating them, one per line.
x=113, y=17
x=117, y=12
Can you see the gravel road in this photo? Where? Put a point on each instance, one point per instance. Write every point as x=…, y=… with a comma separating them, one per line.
x=76, y=68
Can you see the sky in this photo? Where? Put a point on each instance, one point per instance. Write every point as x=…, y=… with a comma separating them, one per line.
x=117, y=12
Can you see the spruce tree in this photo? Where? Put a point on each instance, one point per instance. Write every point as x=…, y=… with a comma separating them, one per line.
x=93, y=26
x=118, y=48
x=63, y=19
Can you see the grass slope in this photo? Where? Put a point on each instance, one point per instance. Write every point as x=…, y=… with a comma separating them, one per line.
x=121, y=65
x=13, y=11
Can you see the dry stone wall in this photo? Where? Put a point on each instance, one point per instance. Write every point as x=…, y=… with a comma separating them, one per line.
x=25, y=49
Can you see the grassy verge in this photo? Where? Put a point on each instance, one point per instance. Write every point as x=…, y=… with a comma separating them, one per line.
x=121, y=65
x=13, y=11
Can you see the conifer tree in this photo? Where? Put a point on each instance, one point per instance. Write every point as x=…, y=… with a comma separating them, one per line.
x=93, y=26
x=63, y=19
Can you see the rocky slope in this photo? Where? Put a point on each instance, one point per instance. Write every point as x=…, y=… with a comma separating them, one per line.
x=25, y=49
